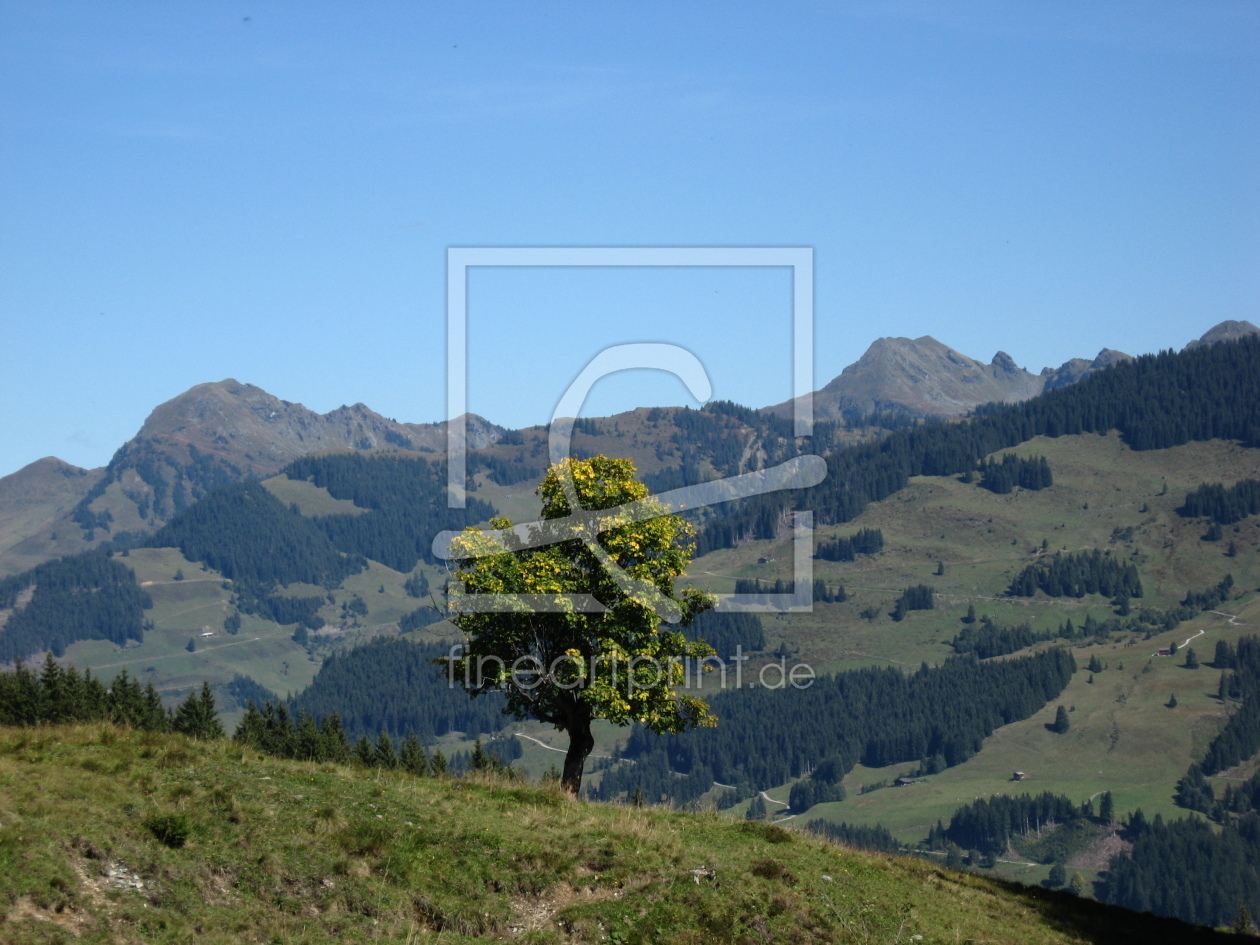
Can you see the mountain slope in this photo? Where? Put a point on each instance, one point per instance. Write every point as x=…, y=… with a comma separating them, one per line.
x=1226, y=331
x=208, y=436
x=257, y=849
x=925, y=378
x=32, y=500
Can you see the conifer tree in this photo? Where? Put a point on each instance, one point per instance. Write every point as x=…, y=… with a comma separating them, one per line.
x=384, y=756
x=1061, y=721
x=412, y=757
x=437, y=763
x=196, y=716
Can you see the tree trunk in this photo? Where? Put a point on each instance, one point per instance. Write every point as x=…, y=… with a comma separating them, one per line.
x=581, y=741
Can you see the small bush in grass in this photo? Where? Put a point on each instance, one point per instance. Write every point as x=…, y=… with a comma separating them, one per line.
x=767, y=832
x=170, y=829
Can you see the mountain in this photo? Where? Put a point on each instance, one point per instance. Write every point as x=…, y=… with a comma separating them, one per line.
x=1126, y=447
x=1077, y=369
x=34, y=498
x=227, y=431
x=1226, y=331
x=208, y=436
x=243, y=426
x=924, y=377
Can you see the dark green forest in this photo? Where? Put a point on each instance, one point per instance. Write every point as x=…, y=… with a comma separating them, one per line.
x=85, y=597
x=57, y=695
x=875, y=716
x=405, y=501
x=1075, y=574
x=391, y=685
x=1223, y=505
x=249, y=536
x=1002, y=477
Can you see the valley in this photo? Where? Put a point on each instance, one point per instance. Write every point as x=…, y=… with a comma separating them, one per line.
x=344, y=528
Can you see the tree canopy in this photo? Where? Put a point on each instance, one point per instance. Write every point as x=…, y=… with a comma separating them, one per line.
x=589, y=641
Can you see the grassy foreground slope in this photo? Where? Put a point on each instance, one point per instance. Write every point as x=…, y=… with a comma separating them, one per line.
x=278, y=851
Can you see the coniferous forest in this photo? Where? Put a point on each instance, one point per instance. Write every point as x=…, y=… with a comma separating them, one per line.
x=1002, y=477
x=873, y=716
x=405, y=501
x=1155, y=401
x=57, y=695
x=85, y=597
x=1223, y=505
x=1075, y=574
x=391, y=685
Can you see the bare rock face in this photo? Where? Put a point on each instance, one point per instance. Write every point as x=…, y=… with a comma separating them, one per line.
x=1079, y=368
x=1226, y=331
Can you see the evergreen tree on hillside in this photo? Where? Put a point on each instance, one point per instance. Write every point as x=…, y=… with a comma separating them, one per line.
x=197, y=717
x=919, y=597
x=1061, y=721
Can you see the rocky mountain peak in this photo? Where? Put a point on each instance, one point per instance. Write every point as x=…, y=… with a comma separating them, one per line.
x=1229, y=330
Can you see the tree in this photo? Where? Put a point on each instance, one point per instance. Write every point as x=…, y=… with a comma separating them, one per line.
x=191, y=647
x=574, y=664
x=196, y=716
x=1061, y=721
x=757, y=809
x=1077, y=885
x=437, y=763
x=1107, y=808
x=1192, y=660
x=1058, y=876
x=412, y=757
x=971, y=614
x=1242, y=922
x=1172, y=701
x=383, y=755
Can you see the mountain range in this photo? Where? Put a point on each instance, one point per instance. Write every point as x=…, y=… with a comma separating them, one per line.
x=227, y=431
x=1033, y=559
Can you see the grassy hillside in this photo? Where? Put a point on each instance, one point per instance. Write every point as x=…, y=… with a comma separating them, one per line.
x=1105, y=496
x=255, y=849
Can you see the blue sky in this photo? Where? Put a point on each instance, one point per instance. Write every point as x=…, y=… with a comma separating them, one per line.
x=266, y=191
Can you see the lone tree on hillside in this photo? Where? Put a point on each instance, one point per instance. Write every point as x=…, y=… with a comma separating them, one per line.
x=1061, y=721
x=595, y=648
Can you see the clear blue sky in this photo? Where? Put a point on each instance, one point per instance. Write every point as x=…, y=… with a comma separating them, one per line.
x=266, y=191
